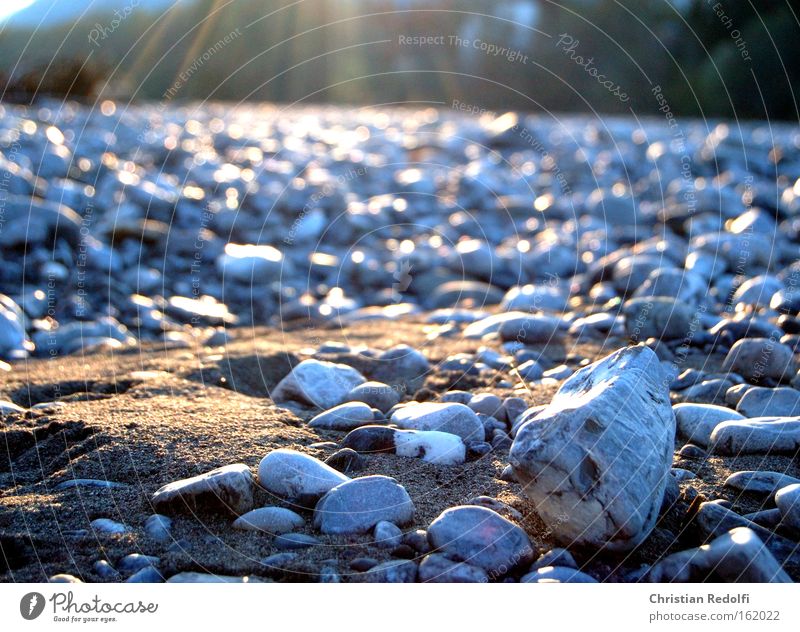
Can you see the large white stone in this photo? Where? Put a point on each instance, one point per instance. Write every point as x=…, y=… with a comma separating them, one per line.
x=323, y=384
x=441, y=448
x=596, y=461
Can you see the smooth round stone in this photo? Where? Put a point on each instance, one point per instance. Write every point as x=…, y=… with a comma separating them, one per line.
x=402, y=365
x=759, y=482
x=64, y=578
x=456, y=397
x=759, y=401
x=225, y=489
x=658, y=317
x=513, y=408
x=440, y=448
x=322, y=384
x=696, y=422
x=681, y=474
x=108, y=526
x=346, y=461
x=105, y=571
x=358, y=505
x=363, y=564
x=375, y=394
x=136, y=562
x=456, y=419
x=557, y=575
x=436, y=568
x=758, y=358
x=297, y=476
x=691, y=451
x=531, y=370
x=393, y=572
x=554, y=557
x=547, y=298
x=147, y=575
x=343, y=417
x=463, y=534
x=531, y=329
x=370, y=439
x=735, y=393
x=294, y=541
x=757, y=291
x=274, y=520
x=762, y=435
x=159, y=527
x=486, y=403
x=387, y=535
x=788, y=501
x=498, y=506
x=417, y=540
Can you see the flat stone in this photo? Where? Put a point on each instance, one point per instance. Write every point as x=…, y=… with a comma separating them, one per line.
x=358, y=505
x=532, y=328
x=106, y=525
x=761, y=482
x=456, y=419
x=343, y=417
x=696, y=422
x=436, y=568
x=758, y=401
x=440, y=448
x=322, y=384
x=136, y=562
x=273, y=520
x=595, y=462
x=295, y=541
x=225, y=489
x=737, y=556
x=762, y=435
x=481, y=537
x=297, y=477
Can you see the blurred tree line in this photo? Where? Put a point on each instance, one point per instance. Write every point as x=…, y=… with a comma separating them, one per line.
x=710, y=58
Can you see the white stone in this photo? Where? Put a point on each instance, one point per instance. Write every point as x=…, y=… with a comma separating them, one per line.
x=441, y=448
x=456, y=419
x=344, y=417
x=323, y=384
x=596, y=461
x=763, y=435
x=273, y=520
x=788, y=501
x=297, y=476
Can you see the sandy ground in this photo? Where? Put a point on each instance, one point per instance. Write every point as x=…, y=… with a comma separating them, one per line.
x=149, y=416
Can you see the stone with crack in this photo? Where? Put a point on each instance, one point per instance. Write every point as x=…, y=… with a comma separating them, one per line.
x=596, y=461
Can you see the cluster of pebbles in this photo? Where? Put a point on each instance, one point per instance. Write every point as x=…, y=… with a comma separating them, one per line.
x=523, y=236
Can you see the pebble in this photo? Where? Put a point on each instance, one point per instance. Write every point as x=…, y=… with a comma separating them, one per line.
x=88, y=482
x=159, y=527
x=136, y=562
x=788, y=501
x=208, y=578
x=436, y=568
x=762, y=435
x=737, y=556
x=147, y=575
x=319, y=383
x=604, y=444
x=696, y=422
x=658, y=317
x=456, y=419
x=393, y=572
x=343, y=417
x=387, y=535
x=761, y=482
x=227, y=489
x=759, y=358
x=359, y=504
x=64, y=578
x=375, y=394
x=691, y=451
x=297, y=477
x=105, y=571
x=557, y=575
x=758, y=401
x=462, y=533
x=485, y=403
x=346, y=461
x=554, y=557
x=274, y=520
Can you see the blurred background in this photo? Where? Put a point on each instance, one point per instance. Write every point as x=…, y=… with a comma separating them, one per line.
x=712, y=59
